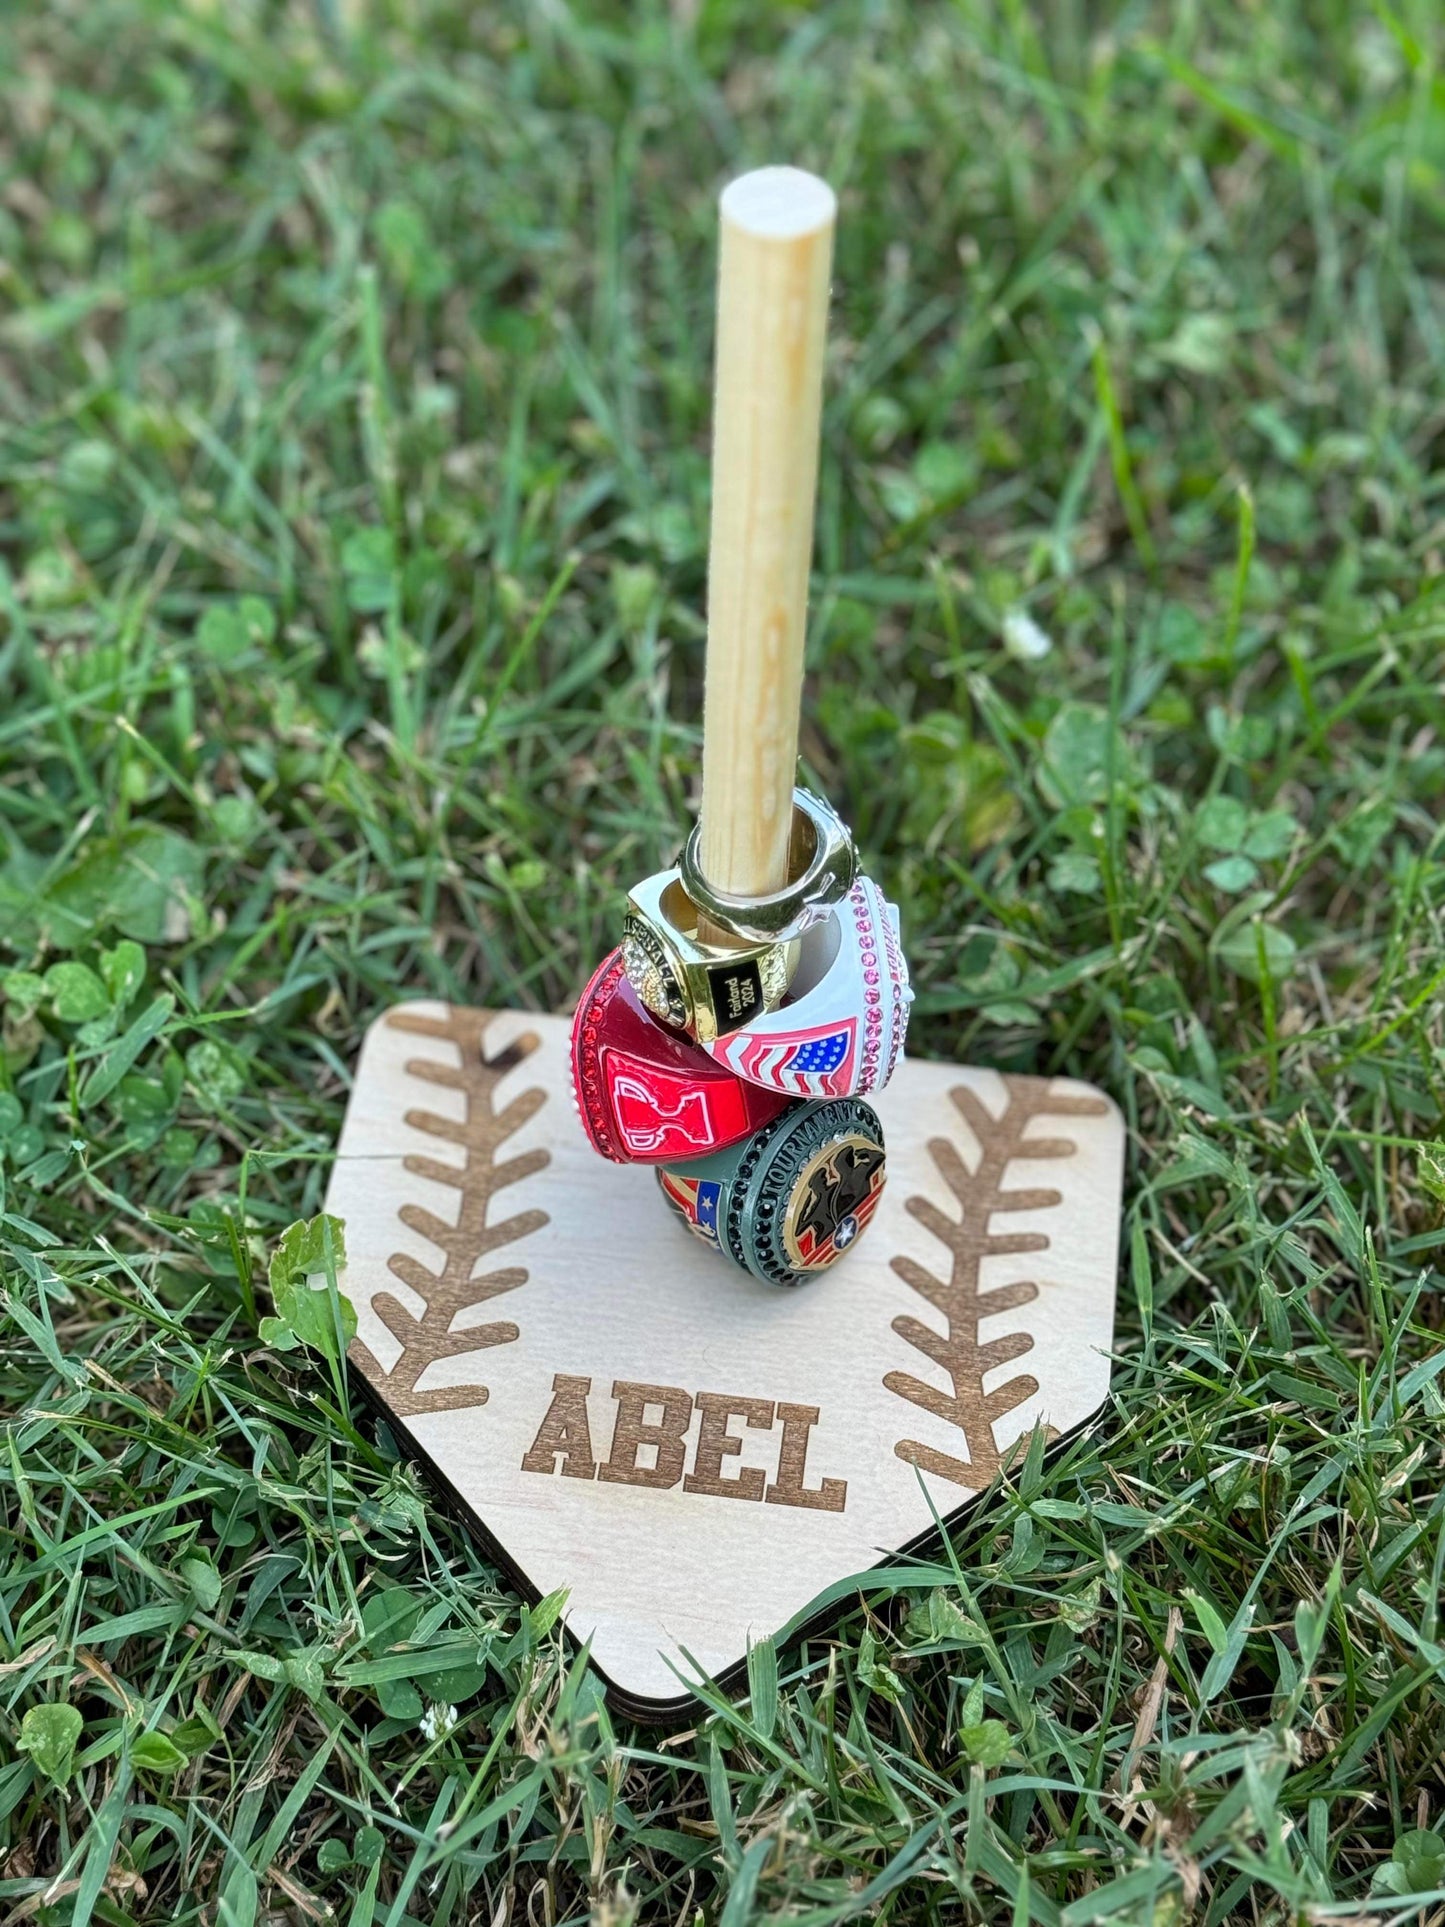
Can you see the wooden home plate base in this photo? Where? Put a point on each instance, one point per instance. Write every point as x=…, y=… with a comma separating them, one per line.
x=693, y=1455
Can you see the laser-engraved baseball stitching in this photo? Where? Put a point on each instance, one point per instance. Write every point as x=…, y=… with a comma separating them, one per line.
x=454, y=1289
x=959, y=1349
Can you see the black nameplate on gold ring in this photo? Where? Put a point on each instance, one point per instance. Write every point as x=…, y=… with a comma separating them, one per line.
x=736, y=993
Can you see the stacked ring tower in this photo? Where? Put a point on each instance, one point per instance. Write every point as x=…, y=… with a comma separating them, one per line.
x=758, y=995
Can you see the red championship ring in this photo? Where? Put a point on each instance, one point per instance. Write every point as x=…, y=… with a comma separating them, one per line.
x=646, y=1095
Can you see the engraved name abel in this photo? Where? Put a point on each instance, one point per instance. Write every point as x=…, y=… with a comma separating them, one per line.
x=650, y=1444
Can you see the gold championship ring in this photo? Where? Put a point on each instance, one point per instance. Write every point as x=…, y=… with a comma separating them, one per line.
x=704, y=989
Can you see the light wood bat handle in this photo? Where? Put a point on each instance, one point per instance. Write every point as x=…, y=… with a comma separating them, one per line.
x=773, y=270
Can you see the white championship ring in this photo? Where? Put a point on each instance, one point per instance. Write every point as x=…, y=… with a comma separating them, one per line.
x=841, y=1032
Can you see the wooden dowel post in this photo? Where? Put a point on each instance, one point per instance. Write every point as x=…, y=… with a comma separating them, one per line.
x=774, y=263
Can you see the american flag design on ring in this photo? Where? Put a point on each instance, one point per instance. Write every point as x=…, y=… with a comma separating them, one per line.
x=843, y=1035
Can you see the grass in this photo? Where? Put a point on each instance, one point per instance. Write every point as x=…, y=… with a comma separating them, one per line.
x=353, y=478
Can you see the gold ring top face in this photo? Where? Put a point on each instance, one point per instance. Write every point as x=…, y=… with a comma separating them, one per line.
x=822, y=867
x=678, y=909
x=827, y=1194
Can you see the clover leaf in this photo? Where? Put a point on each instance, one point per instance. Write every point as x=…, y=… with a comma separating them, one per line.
x=304, y=1313
x=48, y=1734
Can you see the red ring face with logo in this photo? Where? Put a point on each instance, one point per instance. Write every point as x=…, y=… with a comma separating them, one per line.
x=647, y=1096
